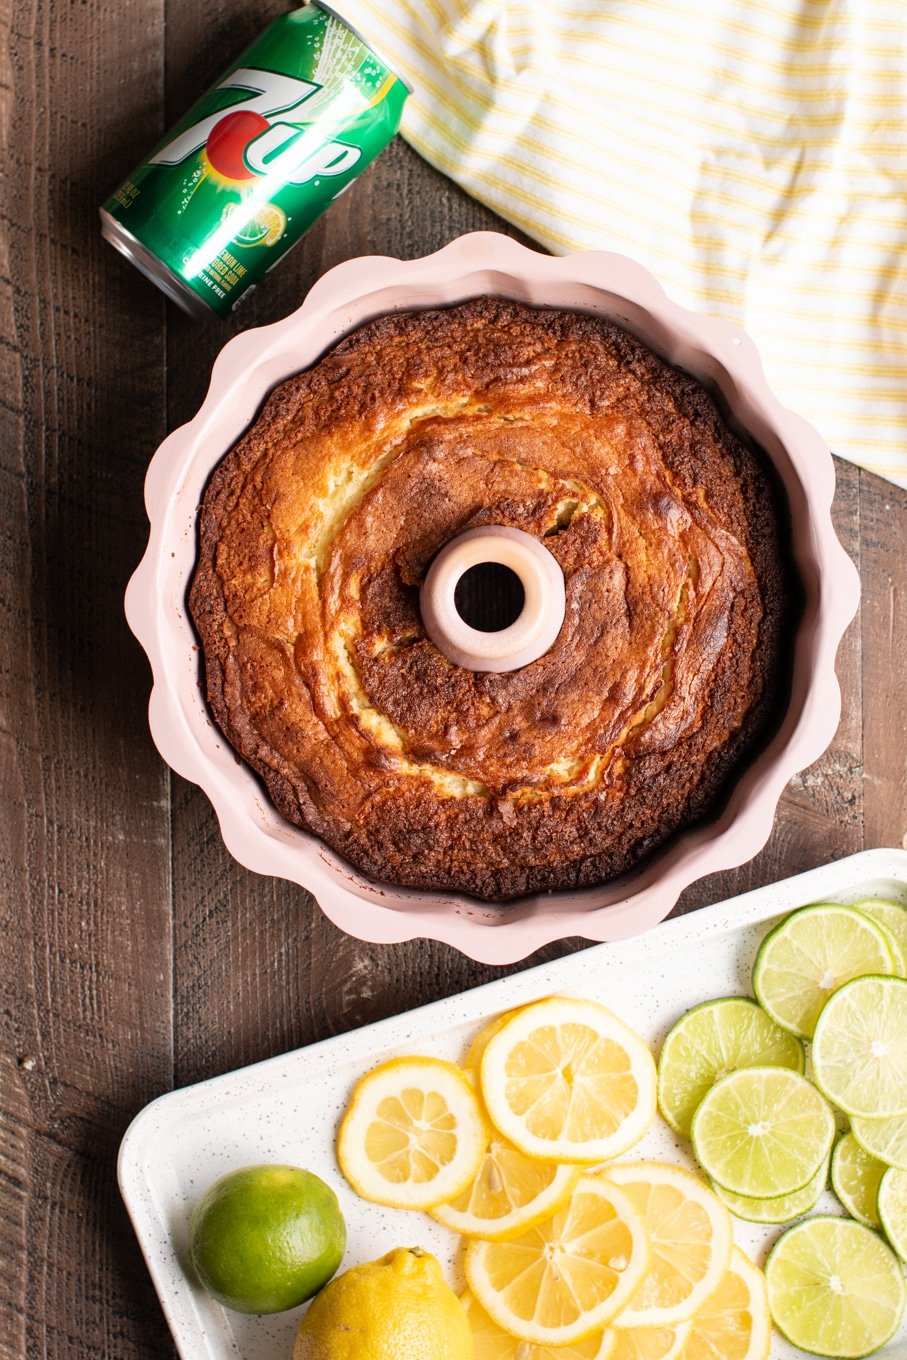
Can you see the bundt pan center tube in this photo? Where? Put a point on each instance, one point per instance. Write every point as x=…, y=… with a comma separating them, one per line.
x=486, y=266
x=534, y=629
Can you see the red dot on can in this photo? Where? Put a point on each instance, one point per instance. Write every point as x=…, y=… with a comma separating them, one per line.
x=229, y=138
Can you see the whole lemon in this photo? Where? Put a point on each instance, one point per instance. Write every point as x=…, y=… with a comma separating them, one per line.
x=265, y=1238
x=397, y=1308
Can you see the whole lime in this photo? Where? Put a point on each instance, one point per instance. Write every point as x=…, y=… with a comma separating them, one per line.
x=266, y=1238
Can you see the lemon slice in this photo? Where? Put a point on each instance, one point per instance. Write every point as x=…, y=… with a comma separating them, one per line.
x=413, y=1134
x=812, y=953
x=473, y=1059
x=566, y=1080
x=780, y=1208
x=892, y=1205
x=690, y=1237
x=493, y=1343
x=649, y=1343
x=567, y=1277
x=763, y=1132
x=855, y=1179
x=511, y=1192
x=891, y=915
x=712, y=1040
x=735, y=1323
x=835, y=1288
x=859, y=1054
x=885, y=1139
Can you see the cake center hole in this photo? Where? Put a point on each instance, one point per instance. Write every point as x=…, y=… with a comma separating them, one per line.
x=489, y=597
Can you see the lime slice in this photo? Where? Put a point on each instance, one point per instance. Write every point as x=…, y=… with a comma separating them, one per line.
x=810, y=954
x=883, y=1138
x=834, y=1287
x=859, y=1053
x=893, y=1209
x=842, y=1121
x=712, y=1040
x=763, y=1132
x=779, y=1209
x=855, y=1178
x=891, y=915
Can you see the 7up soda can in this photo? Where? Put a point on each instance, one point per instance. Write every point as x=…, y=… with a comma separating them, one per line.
x=252, y=165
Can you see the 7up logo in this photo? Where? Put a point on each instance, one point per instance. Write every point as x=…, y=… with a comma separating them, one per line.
x=247, y=140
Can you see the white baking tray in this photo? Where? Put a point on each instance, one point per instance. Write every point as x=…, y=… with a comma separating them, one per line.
x=287, y=1109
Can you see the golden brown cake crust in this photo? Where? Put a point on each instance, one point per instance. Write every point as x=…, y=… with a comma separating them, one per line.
x=318, y=527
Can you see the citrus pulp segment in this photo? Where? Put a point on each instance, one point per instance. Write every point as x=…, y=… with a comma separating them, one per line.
x=855, y=1179
x=885, y=1139
x=493, y=1343
x=567, y=1080
x=712, y=1040
x=763, y=1132
x=859, y=1053
x=812, y=953
x=734, y=1324
x=892, y=1204
x=567, y=1277
x=780, y=1208
x=690, y=1239
x=649, y=1343
x=835, y=1288
x=891, y=915
x=413, y=1133
x=510, y=1193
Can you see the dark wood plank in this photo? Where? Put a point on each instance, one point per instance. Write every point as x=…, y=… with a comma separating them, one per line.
x=884, y=706
x=85, y=931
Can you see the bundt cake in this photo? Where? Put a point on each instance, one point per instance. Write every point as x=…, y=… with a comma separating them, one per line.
x=671, y=667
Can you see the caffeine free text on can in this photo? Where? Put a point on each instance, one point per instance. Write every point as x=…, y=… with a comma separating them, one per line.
x=256, y=160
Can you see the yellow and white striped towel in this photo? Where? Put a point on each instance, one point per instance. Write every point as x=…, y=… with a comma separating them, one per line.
x=751, y=153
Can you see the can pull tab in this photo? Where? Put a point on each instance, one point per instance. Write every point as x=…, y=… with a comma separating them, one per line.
x=529, y=635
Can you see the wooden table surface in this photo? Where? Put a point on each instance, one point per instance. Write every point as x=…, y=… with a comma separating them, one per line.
x=135, y=955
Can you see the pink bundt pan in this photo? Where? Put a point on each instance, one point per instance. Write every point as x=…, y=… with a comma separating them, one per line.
x=252, y=363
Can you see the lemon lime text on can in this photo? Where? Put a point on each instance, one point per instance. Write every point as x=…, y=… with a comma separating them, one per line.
x=256, y=160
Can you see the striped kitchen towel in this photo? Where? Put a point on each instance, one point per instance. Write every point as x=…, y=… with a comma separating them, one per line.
x=751, y=153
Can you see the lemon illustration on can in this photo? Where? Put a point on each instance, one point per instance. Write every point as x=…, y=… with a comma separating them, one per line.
x=264, y=228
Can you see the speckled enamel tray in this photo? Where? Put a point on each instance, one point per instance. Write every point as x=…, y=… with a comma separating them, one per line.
x=245, y=371
x=287, y=1109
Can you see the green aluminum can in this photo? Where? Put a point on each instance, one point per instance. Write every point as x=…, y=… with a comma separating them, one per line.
x=256, y=160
